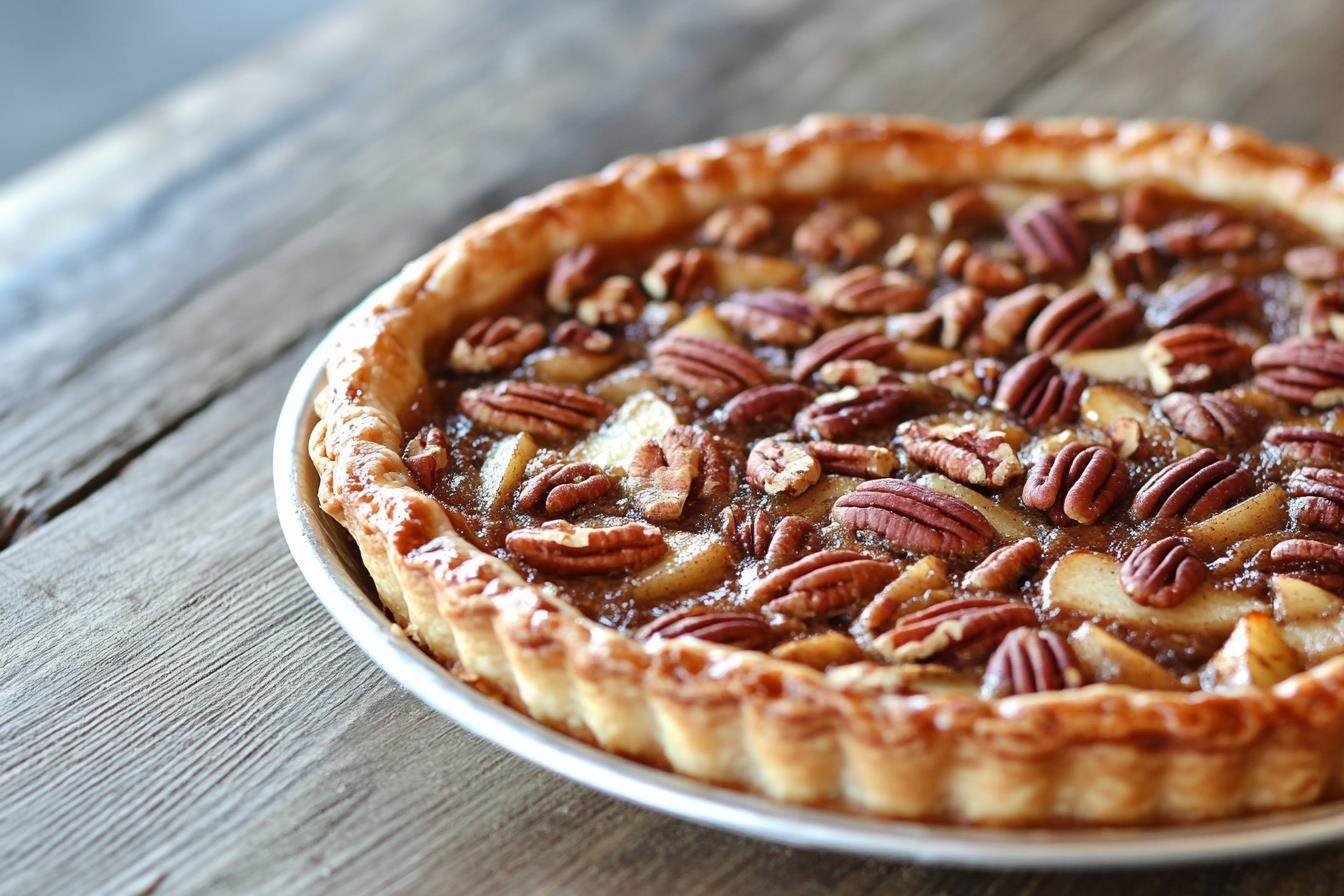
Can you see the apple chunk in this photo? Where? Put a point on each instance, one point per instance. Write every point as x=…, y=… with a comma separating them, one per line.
x=1258, y=514
x=1105, y=405
x=1107, y=364
x=815, y=503
x=504, y=467
x=642, y=417
x=1089, y=583
x=1311, y=618
x=561, y=364
x=1107, y=659
x=705, y=324
x=1254, y=655
x=693, y=563
x=1009, y=525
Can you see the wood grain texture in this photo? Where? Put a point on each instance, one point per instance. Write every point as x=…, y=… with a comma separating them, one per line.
x=177, y=713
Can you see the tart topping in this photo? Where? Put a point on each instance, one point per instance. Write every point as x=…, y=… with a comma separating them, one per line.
x=716, y=626
x=1193, y=487
x=1194, y=356
x=771, y=316
x=1030, y=661
x=561, y=548
x=1317, y=562
x=1306, y=443
x=426, y=456
x=823, y=584
x=967, y=453
x=1209, y=419
x=546, y=412
x=574, y=274
x=914, y=517
x=758, y=535
x=1136, y=259
x=713, y=368
x=1078, y=484
x=952, y=318
x=1213, y=232
x=685, y=463
x=490, y=345
x=1005, y=567
x=966, y=629
x=1309, y=372
x=562, y=487
x=1162, y=573
x=870, y=289
x=976, y=269
x=573, y=334
x=969, y=379
x=837, y=233
x=1037, y=392
x=845, y=412
x=1081, y=319
x=857, y=342
x=768, y=404
x=1050, y=239
x=1211, y=299
x=1315, y=262
x=963, y=209
x=1323, y=314
x=680, y=275
x=616, y=302
x=738, y=226
x=782, y=468
x=864, y=461
x=1007, y=320
x=1317, y=498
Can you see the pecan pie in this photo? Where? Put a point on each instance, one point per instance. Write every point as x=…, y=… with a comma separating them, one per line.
x=988, y=473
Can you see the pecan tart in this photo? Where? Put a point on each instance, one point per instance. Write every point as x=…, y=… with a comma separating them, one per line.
x=988, y=473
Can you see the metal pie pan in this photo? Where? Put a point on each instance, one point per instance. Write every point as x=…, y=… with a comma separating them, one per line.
x=330, y=563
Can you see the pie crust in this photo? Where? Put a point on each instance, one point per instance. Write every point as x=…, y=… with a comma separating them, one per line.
x=1099, y=755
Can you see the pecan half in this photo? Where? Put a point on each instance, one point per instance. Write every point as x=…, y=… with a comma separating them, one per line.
x=1313, y=561
x=548, y=412
x=738, y=226
x=732, y=629
x=1007, y=320
x=1323, y=314
x=869, y=289
x=426, y=456
x=855, y=373
x=562, y=487
x=713, y=368
x=838, y=232
x=782, y=468
x=685, y=463
x=1209, y=419
x=1317, y=498
x=1315, y=262
x=1144, y=206
x=1081, y=319
x=1307, y=443
x=499, y=344
x=1031, y=661
x=617, y=301
x=865, y=461
x=1038, y=392
x=1135, y=258
x=561, y=548
x=915, y=254
x=573, y=334
x=574, y=274
x=960, y=261
x=679, y=275
x=840, y=414
x=914, y=517
x=771, y=316
x=966, y=629
x=1005, y=567
x=1079, y=483
x=1211, y=299
x=962, y=209
x=969, y=379
x=1306, y=371
x=1162, y=573
x=1205, y=234
x=953, y=317
x=767, y=404
x=758, y=535
x=864, y=341
x=965, y=453
x=1194, y=356
x=1049, y=237
x=823, y=584
x=1193, y=487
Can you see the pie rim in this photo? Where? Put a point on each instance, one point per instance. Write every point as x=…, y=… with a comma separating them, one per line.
x=1102, y=754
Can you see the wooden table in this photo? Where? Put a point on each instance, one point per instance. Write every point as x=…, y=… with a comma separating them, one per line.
x=176, y=711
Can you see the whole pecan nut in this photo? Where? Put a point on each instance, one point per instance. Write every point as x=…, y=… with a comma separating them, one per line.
x=1193, y=487
x=616, y=301
x=1005, y=567
x=969, y=379
x=548, y=412
x=864, y=341
x=965, y=629
x=713, y=368
x=1213, y=232
x=1317, y=562
x=1307, y=443
x=1323, y=313
x=561, y=487
x=1081, y=319
x=1049, y=237
x=968, y=454
x=1308, y=372
x=1194, y=356
x=684, y=464
x=1007, y=320
x=491, y=345
x=823, y=584
x=869, y=289
x=1162, y=573
x=1080, y=483
x=914, y=517
x=1031, y=661
x=561, y=548
x=680, y=275
x=774, y=403
x=574, y=274
x=1211, y=299
x=1317, y=498
x=738, y=226
x=732, y=629
x=1136, y=258
x=1210, y=419
x=426, y=456
x=1315, y=262
x=838, y=232
x=757, y=535
x=771, y=316
x=845, y=412
x=961, y=261
x=962, y=209
x=1038, y=392
x=864, y=461
x=573, y=334
x=952, y=318
x=782, y=468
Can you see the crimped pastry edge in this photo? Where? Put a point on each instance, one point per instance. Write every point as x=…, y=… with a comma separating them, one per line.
x=1098, y=755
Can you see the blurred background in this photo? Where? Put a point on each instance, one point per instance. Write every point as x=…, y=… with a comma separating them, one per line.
x=68, y=67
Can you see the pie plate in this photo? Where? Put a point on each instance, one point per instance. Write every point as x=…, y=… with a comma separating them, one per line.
x=329, y=561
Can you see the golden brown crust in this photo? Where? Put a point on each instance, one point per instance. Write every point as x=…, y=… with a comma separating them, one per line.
x=1100, y=754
